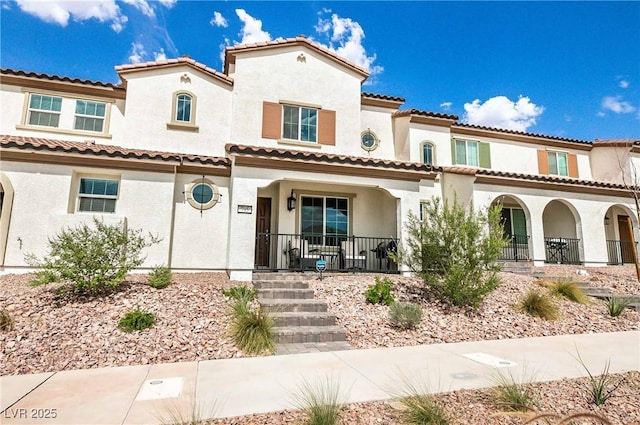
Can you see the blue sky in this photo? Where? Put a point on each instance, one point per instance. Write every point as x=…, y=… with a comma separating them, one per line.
x=569, y=69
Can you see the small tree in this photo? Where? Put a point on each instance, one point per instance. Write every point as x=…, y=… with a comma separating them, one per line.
x=92, y=258
x=454, y=250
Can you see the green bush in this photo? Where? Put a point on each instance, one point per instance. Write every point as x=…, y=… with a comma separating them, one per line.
x=600, y=388
x=320, y=402
x=540, y=305
x=136, y=320
x=91, y=258
x=405, y=315
x=420, y=408
x=251, y=331
x=569, y=290
x=454, y=250
x=512, y=395
x=160, y=277
x=380, y=293
x=239, y=293
x=616, y=305
x=6, y=321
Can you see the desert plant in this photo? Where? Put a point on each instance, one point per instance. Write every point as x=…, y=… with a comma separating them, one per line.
x=242, y=292
x=569, y=290
x=92, y=258
x=616, y=305
x=160, y=277
x=600, y=388
x=136, y=320
x=510, y=394
x=6, y=321
x=251, y=331
x=186, y=412
x=454, y=250
x=380, y=292
x=405, y=315
x=321, y=401
x=540, y=305
x=420, y=407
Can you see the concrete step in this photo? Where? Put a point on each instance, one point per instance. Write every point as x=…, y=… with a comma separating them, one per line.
x=298, y=276
x=303, y=334
x=282, y=306
x=304, y=319
x=312, y=347
x=286, y=293
x=280, y=284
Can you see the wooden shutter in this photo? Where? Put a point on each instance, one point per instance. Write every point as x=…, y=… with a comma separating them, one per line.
x=484, y=154
x=271, y=120
x=326, y=127
x=453, y=151
x=572, y=159
x=543, y=162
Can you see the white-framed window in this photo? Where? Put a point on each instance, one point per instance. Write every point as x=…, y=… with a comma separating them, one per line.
x=183, y=108
x=44, y=110
x=202, y=194
x=97, y=195
x=324, y=220
x=467, y=152
x=369, y=140
x=183, y=111
x=558, y=163
x=300, y=123
x=428, y=152
x=90, y=115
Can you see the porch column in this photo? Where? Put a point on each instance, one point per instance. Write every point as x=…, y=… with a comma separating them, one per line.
x=538, y=247
x=594, y=237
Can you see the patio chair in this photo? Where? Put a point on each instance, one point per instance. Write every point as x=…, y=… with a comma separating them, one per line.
x=301, y=256
x=353, y=257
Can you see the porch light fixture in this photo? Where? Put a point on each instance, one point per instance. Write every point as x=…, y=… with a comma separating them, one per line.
x=606, y=220
x=291, y=202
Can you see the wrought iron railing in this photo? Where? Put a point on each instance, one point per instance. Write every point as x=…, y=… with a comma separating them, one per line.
x=517, y=249
x=562, y=250
x=620, y=252
x=299, y=252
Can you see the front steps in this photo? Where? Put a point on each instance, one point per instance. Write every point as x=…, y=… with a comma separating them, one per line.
x=302, y=323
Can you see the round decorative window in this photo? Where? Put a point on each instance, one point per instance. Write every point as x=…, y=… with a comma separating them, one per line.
x=369, y=141
x=203, y=194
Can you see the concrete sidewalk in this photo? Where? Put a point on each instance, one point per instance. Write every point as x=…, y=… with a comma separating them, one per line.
x=233, y=387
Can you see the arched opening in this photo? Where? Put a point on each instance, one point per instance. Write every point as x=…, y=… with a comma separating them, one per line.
x=516, y=222
x=562, y=233
x=619, y=224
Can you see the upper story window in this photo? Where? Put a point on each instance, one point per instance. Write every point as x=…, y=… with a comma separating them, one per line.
x=300, y=123
x=44, y=110
x=97, y=195
x=369, y=140
x=471, y=152
x=428, y=153
x=183, y=112
x=90, y=115
x=558, y=163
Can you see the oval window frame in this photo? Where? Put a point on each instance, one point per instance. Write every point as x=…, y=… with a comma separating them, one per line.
x=376, y=140
x=215, y=198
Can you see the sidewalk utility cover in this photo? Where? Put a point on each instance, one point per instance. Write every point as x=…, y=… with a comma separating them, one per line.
x=489, y=360
x=159, y=388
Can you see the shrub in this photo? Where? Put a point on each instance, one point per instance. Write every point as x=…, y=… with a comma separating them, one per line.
x=422, y=408
x=616, y=305
x=320, y=401
x=512, y=395
x=136, y=320
x=160, y=277
x=600, y=388
x=405, y=315
x=380, y=293
x=242, y=292
x=251, y=331
x=94, y=258
x=6, y=321
x=454, y=250
x=538, y=304
x=569, y=290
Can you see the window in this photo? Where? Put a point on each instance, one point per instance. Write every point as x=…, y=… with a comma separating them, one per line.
x=97, y=195
x=183, y=110
x=427, y=153
x=299, y=123
x=558, y=163
x=369, y=140
x=89, y=115
x=515, y=224
x=44, y=110
x=467, y=153
x=202, y=194
x=325, y=220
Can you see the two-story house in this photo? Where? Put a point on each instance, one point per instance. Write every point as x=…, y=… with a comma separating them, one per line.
x=281, y=160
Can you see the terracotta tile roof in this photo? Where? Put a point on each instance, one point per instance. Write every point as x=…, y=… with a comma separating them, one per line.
x=90, y=148
x=42, y=76
x=617, y=142
x=173, y=62
x=548, y=179
x=327, y=157
x=407, y=112
x=299, y=40
x=521, y=133
x=383, y=97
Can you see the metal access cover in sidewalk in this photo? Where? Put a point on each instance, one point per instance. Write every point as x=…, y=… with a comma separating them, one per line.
x=489, y=360
x=156, y=389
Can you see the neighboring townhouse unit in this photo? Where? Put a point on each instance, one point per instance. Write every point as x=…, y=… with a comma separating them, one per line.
x=282, y=160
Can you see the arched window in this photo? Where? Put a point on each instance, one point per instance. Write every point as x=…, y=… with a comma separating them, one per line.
x=183, y=112
x=183, y=108
x=428, y=153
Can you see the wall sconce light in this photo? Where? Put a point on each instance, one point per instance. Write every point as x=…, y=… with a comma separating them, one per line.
x=606, y=220
x=291, y=202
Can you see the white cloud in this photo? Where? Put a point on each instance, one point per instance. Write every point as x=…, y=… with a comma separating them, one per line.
x=160, y=56
x=252, y=30
x=446, y=105
x=623, y=84
x=617, y=105
x=601, y=114
x=143, y=6
x=6, y=5
x=501, y=112
x=218, y=20
x=137, y=53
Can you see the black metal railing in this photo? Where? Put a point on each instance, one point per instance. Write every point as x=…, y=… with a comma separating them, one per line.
x=299, y=252
x=517, y=249
x=620, y=252
x=562, y=250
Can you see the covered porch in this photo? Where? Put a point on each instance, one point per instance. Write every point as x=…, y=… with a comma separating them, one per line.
x=621, y=243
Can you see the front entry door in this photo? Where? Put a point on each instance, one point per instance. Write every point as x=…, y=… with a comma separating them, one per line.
x=626, y=239
x=263, y=223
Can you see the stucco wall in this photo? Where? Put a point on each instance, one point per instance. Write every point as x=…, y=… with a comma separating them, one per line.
x=379, y=121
